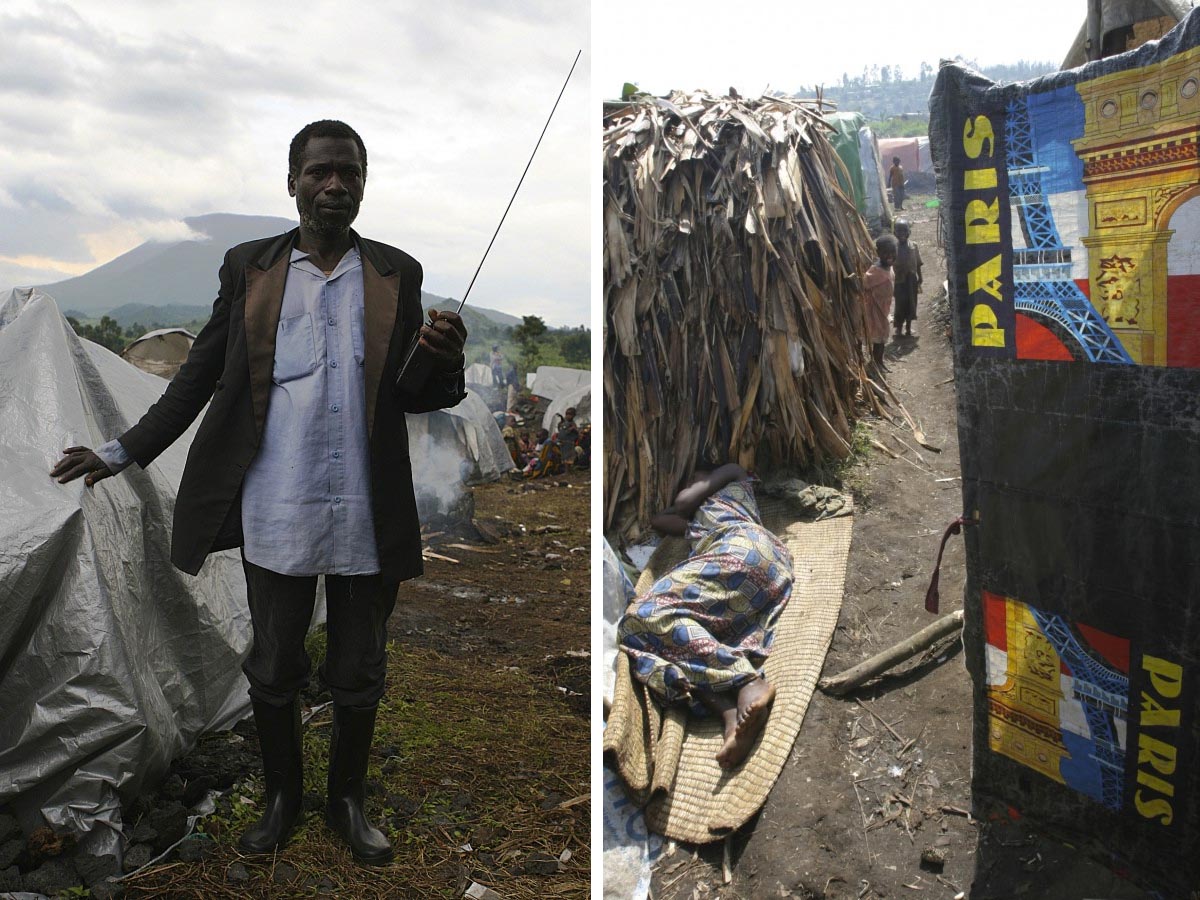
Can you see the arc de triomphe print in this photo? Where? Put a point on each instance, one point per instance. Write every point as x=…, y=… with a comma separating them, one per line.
x=1140, y=164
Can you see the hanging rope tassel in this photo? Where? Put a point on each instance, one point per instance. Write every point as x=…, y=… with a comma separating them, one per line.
x=931, y=595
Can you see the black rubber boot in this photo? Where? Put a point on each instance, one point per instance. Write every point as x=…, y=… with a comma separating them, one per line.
x=349, y=747
x=280, y=743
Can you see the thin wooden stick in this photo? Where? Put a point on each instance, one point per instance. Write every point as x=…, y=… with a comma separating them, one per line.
x=853, y=677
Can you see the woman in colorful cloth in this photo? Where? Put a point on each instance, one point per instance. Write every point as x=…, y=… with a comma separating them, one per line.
x=703, y=631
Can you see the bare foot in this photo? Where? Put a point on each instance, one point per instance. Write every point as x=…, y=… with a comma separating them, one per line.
x=753, y=704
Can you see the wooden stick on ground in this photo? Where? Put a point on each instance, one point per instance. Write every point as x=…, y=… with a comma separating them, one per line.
x=847, y=681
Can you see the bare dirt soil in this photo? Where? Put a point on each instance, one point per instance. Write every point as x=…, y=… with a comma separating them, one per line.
x=881, y=777
x=479, y=769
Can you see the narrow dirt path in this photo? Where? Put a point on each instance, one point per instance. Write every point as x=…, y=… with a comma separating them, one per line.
x=881, y=777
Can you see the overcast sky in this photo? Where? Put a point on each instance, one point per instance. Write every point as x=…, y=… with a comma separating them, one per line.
x=784, y=44
x=119, y=119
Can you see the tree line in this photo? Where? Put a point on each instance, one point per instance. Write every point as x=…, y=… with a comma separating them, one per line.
x=532, y=343
x=896, y=104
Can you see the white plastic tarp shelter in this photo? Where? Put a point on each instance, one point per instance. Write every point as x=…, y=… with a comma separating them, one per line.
x=478, y=373
x=580, y=398
x=461, y=441
x=160, y=352
x=554, y=381
x=112, y=661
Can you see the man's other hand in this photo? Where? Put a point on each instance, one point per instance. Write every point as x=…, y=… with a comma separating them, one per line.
x=78, y=461
x=444, y=336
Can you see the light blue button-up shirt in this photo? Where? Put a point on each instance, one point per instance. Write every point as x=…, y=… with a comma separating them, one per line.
x=306, y=498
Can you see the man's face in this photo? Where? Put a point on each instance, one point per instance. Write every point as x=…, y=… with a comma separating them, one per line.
x=329, y=186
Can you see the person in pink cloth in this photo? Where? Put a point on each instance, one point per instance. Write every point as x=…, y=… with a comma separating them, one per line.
x=879, y=285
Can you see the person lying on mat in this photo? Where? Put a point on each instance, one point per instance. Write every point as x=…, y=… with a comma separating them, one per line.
x=703, y=631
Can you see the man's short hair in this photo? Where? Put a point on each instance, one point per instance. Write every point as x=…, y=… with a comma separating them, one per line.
x=325, y=128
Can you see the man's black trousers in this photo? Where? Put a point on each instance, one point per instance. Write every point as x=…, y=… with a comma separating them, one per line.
x=356, y=613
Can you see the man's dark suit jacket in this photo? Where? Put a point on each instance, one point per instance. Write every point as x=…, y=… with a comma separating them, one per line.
x=231, y=362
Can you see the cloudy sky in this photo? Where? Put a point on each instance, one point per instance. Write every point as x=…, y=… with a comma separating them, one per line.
x=122, y=118
x=783, y=44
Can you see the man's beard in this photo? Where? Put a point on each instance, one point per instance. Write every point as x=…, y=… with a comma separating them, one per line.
x=322, y=227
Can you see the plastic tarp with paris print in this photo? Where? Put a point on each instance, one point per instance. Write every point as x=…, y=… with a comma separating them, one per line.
x=1072, y=213
x=112, y=661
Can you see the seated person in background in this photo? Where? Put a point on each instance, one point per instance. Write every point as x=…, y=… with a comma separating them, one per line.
x=525, y=445
x=567, y=431
x=541, y=460
x=703, y=631
x=509, y=433
x=583, y=447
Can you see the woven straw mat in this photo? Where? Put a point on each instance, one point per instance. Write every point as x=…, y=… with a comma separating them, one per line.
x=668, y=759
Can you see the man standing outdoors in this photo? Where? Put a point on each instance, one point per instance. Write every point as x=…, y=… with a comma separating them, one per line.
x=896, y=182
x=302, y=461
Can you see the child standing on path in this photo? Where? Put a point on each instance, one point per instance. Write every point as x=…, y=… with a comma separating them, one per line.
x=878, y=288
x=907, y=270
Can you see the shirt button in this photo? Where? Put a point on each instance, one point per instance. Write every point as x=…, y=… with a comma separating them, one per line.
x=332, y=322
x=337, y=454
x=335, y=407
x=333, y=364
x=337, y=500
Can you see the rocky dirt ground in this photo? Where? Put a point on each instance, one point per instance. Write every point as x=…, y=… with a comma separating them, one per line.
x=479, y=770
x=882, y=777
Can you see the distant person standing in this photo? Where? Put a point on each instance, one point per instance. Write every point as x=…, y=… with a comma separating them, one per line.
x=907, y=270
x=878, y=287
x=896, y=182
x=497, y=366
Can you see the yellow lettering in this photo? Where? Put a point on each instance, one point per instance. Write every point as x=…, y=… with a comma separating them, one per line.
x=1152, y=809
x=986, y=278
x=1167, y=677
x=976, y=133
x=1159, y=754
x=979, y=179
x=1154, y=713
x=1151, y=781
x=982, y=219
x=985, y=330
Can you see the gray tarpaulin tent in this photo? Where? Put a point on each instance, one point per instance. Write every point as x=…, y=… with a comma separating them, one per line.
x=160, y=352
x=112, y=662
x=580, y=398
x=479, y=373
x=554, y=381
x=461, y=441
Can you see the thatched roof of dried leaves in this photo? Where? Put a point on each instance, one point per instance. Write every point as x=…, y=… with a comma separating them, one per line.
x=732, y=295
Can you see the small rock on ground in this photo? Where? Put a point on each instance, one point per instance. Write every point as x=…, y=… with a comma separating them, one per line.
x=539, y=863
x=10, y=879
x=195, y=849
x=107, y=890
x=238, y=873
x=95, y=868
x=9, y=851
x=137, y=856
x=51, y=877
